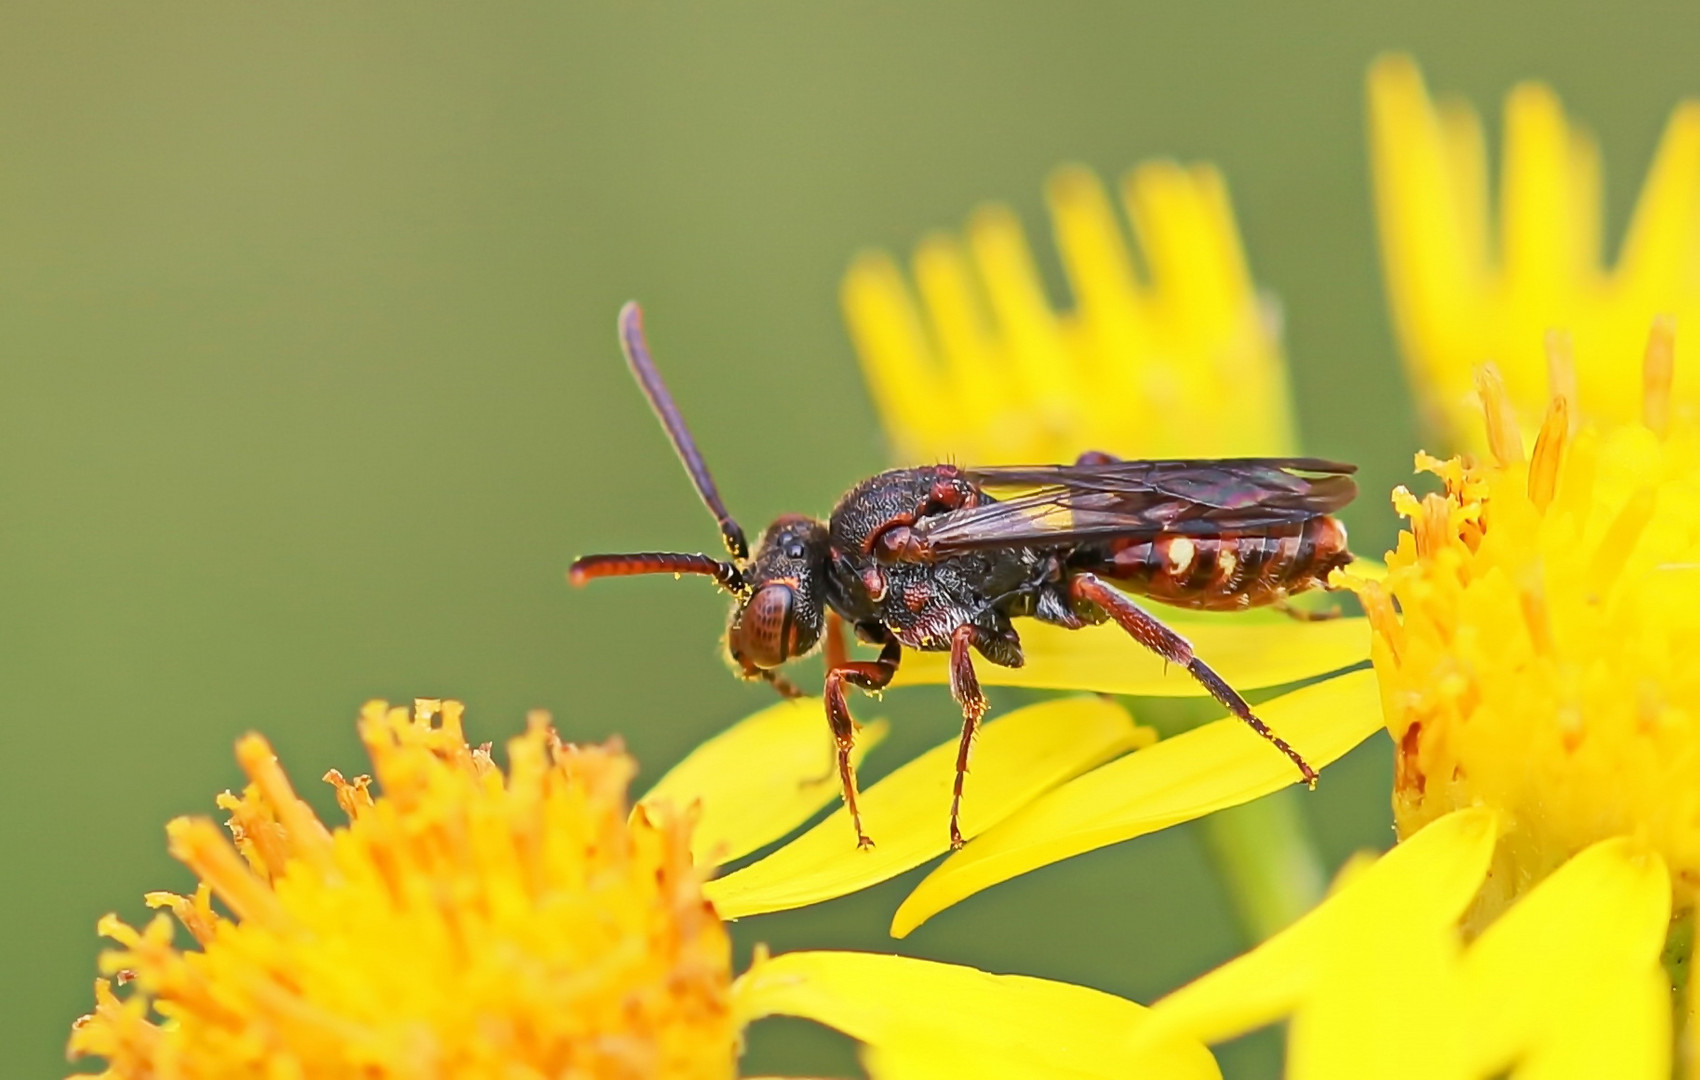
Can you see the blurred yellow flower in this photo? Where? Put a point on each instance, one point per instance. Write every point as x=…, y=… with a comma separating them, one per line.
x=1462, y=296
x=471, y=923
x=1184, y=362
x=1534, y=644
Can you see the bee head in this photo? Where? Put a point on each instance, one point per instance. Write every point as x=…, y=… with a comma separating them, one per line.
x=782, y=615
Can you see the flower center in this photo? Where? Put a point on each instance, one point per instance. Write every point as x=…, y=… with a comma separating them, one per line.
x=463, y=923
x=1541, y=660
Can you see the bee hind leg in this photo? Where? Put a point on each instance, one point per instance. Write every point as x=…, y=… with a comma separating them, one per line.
x=1299, y=614
x=1146, y=629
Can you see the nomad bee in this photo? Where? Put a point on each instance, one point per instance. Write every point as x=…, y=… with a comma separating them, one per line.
x=927, y=558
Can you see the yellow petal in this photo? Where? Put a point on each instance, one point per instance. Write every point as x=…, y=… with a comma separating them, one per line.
x=1220, y=764
x=1537, y=241
x=759, y=779
x=1403, y=904
x=919, y=1018
x=1569, y=980
x=1016, y=757
x=1247, y=652
x=1566, y=984
x=897, y=360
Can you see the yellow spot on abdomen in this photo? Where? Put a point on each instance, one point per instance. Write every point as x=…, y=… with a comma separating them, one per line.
x=1225, y=564
x=1179, y=551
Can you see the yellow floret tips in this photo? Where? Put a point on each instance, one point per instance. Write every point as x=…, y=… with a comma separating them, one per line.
x=975, y=363
x=1540, y=659
x=1467, y=284
x=465, y=922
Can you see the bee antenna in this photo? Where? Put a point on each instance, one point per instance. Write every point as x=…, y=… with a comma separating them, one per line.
x=643, y=369
x=725, y=574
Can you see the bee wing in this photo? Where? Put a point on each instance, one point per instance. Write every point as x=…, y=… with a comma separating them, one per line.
x=1062, y=504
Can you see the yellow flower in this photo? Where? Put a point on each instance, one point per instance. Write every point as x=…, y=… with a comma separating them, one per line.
x=467, y=922
x=1461, y=296
x=1541, y=660
x=1185, y=363
x=1379, y=981
x=1534, y=643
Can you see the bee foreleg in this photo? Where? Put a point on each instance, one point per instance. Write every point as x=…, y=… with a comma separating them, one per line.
x=868, y=675
x=1151, y=633
x=785, y=687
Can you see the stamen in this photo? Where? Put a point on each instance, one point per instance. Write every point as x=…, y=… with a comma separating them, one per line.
x=353, y=796
x=1433, y=526
x=194, y=913
x=1549, y=452
x=1504, y=440
x=1561, y=367
x=1657, y=370
x=308, y=836
x=197, y=843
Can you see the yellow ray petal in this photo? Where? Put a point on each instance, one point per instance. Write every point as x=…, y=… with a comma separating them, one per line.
x=1537, y=224
x=1195, y=260
x=1660, y=241
x=1568, y=979
x=759, y=779
x=1016, y=757
x=897, y=358
x=1245, y=651
x=920, y=1018
x=1416, y=891
x=977, y=381
x=1038, y=360
x=1193, y=774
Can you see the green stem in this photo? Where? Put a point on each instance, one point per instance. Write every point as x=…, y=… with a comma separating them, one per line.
x=1264, y=852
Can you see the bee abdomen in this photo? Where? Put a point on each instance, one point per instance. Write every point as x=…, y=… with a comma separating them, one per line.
x=1229, y=571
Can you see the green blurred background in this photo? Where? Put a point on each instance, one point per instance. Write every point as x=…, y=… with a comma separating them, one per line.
x=311, y=391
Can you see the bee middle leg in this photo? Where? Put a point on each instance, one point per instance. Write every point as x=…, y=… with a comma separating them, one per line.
x=868, y=675
x=1145, y=628
x=965, y=688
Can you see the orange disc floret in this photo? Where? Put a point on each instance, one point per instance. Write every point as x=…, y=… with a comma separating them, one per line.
x=465, y=922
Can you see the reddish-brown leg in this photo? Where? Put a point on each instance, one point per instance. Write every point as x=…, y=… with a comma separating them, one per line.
x=837, y=652
x=785, y=687
x=965, y=688
x=837, y=655
x=1152, y=634
x=868, y=675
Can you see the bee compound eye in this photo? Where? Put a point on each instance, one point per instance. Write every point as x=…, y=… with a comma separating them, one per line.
x=767, y=631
